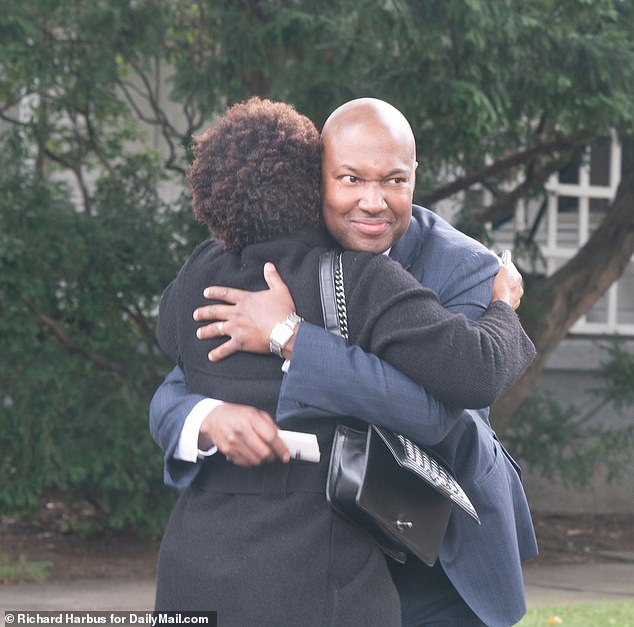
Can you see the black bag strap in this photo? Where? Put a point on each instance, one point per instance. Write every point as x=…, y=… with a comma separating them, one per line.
x=333, y=299
x=406, y=453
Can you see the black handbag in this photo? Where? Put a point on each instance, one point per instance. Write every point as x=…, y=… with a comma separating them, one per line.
x=399, y=492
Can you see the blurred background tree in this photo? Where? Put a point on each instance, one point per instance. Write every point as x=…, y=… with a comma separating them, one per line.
x=98, y=105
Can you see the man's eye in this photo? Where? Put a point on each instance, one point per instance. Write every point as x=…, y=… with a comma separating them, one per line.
x=397, y=180
x=349, y=178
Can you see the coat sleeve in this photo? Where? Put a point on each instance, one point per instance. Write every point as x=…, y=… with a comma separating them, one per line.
x=327, y=377
x=169, y=408
x=463, y=363
x=172, y=402
x=330, y=377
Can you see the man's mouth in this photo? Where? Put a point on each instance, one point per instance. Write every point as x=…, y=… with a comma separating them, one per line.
x=371, y=227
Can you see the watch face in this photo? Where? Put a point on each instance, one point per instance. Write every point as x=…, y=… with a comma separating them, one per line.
x=282, y=333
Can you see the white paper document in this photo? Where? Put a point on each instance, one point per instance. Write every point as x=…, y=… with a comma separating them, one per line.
x=302, y=446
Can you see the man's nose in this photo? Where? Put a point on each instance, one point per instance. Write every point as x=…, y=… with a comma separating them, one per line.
x=372, y=198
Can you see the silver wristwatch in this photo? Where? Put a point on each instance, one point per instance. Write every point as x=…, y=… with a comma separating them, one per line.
x=282, y=332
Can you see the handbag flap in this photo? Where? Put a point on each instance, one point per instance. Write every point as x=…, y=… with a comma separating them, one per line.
x=421, y=463
x=406, y=508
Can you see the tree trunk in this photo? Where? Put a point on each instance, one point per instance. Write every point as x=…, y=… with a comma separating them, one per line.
x=571, y=292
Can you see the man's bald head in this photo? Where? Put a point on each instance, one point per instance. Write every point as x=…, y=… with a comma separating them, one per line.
x=368, y=165
x=363, y=114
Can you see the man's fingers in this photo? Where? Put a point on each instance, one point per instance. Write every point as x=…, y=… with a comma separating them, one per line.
x=248, y=436
x=213, y=312
x=515, y=279
x=226, y=294
x=248, y=458
x=272, y=277
x=249, y=454
x=237, y=432
x=220, y=328
x=281, y=450
x=505, y=257
x=256, y=442
x=227, y=348
x=211, y=330
x=268, y=431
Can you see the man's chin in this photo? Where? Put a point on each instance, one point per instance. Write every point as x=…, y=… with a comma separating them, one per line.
x=368, y=245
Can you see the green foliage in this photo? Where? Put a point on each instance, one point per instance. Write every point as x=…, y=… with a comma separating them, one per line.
x=20, y=570
x=581, y=615
x=99, y=102
x=571, y=443
x=550, y=440
x=478, y=78
x=78, y=292
x=618, y=374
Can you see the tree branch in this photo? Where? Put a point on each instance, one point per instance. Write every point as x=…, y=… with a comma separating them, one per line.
x=589, y=416
x=137, y=315
x=76, y=170
x=572, y=290
x=94, y=143
x=161, y=120
x=74, y=348
x=11, y=120
x=560, y=144
x=535, y=177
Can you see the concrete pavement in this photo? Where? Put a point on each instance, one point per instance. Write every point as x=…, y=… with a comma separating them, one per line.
x=546, y=585
x=565, y=584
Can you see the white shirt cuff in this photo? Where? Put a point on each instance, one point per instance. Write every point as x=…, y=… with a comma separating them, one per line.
x=187, y=447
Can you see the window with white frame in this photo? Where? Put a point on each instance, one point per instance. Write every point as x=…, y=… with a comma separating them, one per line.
x=577, y=200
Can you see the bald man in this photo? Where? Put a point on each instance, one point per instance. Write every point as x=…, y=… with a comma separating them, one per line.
x=368, y=175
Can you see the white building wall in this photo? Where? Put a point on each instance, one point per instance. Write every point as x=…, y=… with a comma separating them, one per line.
x=569, y=378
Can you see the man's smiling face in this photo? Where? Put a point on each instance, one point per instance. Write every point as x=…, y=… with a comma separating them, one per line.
x=368, y=171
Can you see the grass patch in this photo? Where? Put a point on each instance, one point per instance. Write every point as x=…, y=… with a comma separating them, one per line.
x=616, y=614
x=19, y=570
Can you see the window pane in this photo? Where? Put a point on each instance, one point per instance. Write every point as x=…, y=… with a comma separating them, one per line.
x=626, y=296
x=627, y=158
x=598, y=208
x=570, y=172
x=474, y=199
x=536, y=219
x=600, y=162
x=599, y=312
x=567, y=221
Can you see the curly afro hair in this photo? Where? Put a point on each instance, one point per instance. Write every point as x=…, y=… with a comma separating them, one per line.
x=256, y=173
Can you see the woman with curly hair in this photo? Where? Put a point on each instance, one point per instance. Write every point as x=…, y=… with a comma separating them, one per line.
x=260, y=544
